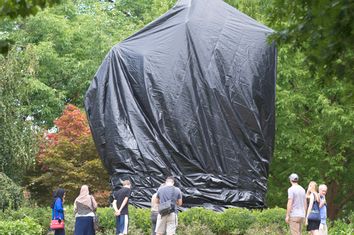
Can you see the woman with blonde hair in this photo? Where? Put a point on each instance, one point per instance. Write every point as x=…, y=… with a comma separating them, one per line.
x=313, y=218
x=85, y=206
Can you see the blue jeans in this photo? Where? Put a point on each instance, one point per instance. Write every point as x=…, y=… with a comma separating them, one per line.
x=122, y=224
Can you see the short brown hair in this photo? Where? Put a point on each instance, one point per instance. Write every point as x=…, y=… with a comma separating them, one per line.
x=126, y=182
x=170, y=178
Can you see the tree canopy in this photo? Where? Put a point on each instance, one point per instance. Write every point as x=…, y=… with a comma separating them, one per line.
x=322, y=30
x=15, y=8
x=17, y=133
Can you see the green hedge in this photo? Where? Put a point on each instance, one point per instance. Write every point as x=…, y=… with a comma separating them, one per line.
x=10, y=193
x=26, y=226
x=192, y=221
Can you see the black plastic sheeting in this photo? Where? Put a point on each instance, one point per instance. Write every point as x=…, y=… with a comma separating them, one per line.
x=190, y=95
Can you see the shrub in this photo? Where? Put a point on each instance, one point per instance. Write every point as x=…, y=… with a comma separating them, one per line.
x=40, y=215
x=106, y=219
x=194, y=228
x=11, y=194
x=341, y=227
x=140, y=219
x=266, y=229
x=201, y=215
x=69, y=219
x=236, y=221
x=25, y=226
x=274, y=216
x=191, y=221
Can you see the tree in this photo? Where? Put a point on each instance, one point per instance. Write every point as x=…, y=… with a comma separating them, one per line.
x=10, y=193
x=322, y=30
x=13, y=8
x=313, y=136
x=68, y=159
x=144, y=11
x=314, y=96
x=314, y=104
x=17, y=132
x=67, y=44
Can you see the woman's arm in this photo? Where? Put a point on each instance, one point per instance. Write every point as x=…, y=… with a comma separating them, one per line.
x=317, y=197
x=58, y=209
x=310, y=206
x=59, y=206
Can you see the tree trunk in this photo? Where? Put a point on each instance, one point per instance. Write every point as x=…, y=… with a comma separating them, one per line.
x=332, y=206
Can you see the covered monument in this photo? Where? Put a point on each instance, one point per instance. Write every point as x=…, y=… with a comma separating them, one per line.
x=190, y=95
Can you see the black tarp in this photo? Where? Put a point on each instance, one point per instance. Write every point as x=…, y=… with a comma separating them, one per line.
x=191, y=95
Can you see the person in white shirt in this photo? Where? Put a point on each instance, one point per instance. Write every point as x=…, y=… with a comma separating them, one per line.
x=296, y=206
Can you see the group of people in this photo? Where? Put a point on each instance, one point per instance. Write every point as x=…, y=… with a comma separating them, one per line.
x=303, y=207
x=85, y=206
x=308, y=207
x=161, y=224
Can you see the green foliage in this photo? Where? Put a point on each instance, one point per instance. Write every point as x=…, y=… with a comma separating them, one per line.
x=322, y=30
x=253, y=8
x=314, y=104
x=69, y=219
x=69, y=42
x=269, y=221
x=314, y=134
x=236, y=220
x=267, y=229
x=26, y=226
x=106, y=219
x=340, y=227
x=60, y=50
x=10, y=193
x=204, y=216
x=40, y=215
x=343, y=226
x=195, y=228
x=17, y=139
x=14, y=8
x=191, y=221
x=34, y=99
x=271, y=216
x=140, y=219
x=144, y=11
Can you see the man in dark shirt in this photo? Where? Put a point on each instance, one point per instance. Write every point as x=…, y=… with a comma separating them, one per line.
x=168, y=223
x=120, y=205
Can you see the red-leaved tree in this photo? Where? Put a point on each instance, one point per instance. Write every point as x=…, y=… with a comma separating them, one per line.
x=68, y=159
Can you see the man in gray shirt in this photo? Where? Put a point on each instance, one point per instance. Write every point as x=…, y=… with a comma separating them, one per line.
x=168, y=223
x=296, y=207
